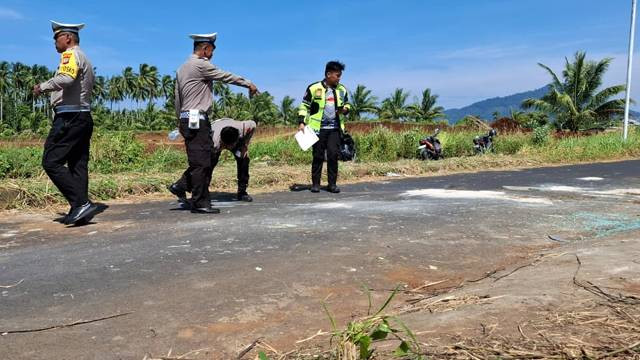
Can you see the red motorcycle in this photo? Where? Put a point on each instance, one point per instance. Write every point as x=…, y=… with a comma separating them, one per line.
x=430, y=148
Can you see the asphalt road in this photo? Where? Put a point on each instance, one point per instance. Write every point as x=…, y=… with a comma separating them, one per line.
x=262, y=269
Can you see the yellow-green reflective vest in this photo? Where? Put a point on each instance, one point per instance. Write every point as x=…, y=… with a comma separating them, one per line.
x=312, y=106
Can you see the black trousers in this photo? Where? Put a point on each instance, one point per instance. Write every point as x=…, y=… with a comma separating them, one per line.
x=242, y=165
x=66, y=155
x=197, y=177
x=329, y=142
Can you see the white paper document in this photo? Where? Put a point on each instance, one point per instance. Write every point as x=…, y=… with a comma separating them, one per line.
x=306, y=139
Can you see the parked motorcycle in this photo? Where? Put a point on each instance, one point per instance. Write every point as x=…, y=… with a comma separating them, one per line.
x=430, y=148
x=484, y=144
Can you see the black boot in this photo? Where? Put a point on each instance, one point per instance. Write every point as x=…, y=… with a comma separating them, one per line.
x=243, y=196
x=176, y=190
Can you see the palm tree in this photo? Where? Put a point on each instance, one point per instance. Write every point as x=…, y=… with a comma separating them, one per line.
x=426, y=110
x=575, y=102
x=287, y=110
x=115, y=90
x=4, y=83
x=362, y=102
x=262, y=109
x=42, y=74
x=148, y=82
x=220, y=88
x=100, y=90
x=395, y=107
x=19, y=72
x=129, y=82
x=167, y=88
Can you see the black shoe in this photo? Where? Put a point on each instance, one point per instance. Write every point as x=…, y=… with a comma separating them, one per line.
x=205, y=210
x=178, y=191
x=63, y=219
x=333, y=189
x=87, y=210
x=243, y=196
x=315, y=188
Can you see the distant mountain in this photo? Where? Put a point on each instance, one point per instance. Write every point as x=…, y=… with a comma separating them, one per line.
x=485, y=108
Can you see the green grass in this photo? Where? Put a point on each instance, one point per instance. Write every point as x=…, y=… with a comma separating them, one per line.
x=120, y=166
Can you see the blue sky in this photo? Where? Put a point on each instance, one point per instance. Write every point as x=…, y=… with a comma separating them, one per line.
x=464, y=50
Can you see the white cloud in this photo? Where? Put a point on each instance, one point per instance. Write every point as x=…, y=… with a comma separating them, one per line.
x=9, y=14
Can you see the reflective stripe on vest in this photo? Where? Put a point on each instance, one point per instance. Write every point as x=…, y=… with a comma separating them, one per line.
x=318, y=95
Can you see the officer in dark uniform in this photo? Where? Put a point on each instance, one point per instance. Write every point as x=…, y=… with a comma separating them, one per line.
x=70, y=135
x=193, y=98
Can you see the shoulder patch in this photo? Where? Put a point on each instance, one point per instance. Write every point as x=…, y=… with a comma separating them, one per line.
x=68, y=64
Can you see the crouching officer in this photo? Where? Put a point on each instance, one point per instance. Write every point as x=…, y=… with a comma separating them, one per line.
x=235, y=136
x=193, y=99
x=70, y=135
x=322, y=108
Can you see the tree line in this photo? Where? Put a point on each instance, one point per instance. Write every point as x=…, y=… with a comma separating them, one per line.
x=143, y=100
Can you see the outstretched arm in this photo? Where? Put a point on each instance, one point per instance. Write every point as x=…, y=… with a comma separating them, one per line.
x=212, y=73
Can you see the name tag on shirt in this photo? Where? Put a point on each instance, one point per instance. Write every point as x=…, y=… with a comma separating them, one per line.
x=194, y=119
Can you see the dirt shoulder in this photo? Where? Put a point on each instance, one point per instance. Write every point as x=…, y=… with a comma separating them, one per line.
x=569, y=301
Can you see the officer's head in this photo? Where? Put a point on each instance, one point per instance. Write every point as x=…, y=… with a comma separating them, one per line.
x=204, y=49
x=333, y=72
x=229, y=137
x=65, y=36
x=65, y=40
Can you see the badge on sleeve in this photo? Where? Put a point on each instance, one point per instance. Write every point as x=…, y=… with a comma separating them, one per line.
x=318, y=93
x=68, y=64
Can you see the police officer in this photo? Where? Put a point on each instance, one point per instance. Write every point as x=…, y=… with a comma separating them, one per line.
x=193, y=99
x=235, y=136
x=322, y=108
x=70, y=135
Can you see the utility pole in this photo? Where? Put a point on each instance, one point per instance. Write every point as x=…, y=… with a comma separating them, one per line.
x=629, y=67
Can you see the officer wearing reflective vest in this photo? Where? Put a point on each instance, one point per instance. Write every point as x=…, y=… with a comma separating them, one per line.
x=323, y=108
x=193, y=99
x=66, y=150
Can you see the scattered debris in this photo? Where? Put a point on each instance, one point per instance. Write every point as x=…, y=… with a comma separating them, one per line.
x=80, y=322
x=591, y=178
x=474, y=194
x=10, y=286
x=319, y=333
x=557, y=238
x=248, y=348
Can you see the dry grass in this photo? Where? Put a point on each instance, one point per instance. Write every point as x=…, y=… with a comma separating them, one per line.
x=266, y=176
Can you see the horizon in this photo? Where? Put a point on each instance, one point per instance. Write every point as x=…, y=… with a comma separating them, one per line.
x=467, y=52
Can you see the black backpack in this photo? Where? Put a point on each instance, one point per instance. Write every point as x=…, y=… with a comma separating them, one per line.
x=347, y=148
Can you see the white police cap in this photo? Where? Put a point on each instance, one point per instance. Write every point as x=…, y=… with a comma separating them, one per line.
x=60, y=27
x=210, y=38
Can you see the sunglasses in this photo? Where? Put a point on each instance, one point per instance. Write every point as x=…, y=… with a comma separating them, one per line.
x=56, y=36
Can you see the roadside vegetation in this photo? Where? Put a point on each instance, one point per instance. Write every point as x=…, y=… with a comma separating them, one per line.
x=123, y=166
x=545, y=131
